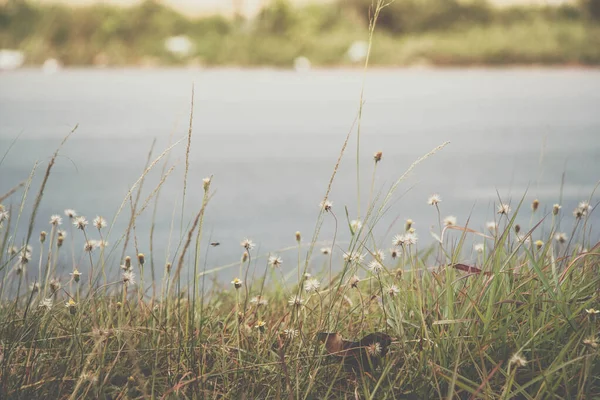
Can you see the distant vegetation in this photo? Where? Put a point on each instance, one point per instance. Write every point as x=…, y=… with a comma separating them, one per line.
x=440, y=32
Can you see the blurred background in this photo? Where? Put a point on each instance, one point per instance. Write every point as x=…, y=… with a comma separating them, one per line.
x=285, y=33
x=513, y=85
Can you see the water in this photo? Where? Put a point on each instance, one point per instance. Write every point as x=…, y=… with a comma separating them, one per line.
x=271, y=139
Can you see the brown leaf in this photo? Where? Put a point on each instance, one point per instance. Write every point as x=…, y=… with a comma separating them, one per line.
x=467, y=268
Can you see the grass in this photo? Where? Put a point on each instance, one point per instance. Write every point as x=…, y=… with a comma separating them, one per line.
x=518, y=321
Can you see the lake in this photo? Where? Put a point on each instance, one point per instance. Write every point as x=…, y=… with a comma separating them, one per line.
x=271, y=138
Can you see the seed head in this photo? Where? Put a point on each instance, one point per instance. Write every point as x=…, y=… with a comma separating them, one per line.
x=492, y=226
x=43, y=235
x=59, y=240
x=259, y=301
x=56, y=220
x=127, y=262
x=141, y=258
x=517, y=228
x=394, y=252
x=34, y=287
x=206, y=183
x=298, y=236
x=377, y=156
x=245, y=256
x=54, y=285
x=479, y=247
x=393, y=290
x=556, y=208
x=326, y=250
x=89, y=246
x=291, y=333
x=375, y=266
x=46, y=304
x=408, y=225
x=534, y=205
x=374, y=349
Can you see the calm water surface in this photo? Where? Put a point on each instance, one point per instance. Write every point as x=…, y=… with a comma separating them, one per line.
x=271, y=139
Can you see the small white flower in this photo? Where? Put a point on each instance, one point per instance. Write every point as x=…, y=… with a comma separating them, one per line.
x=374, y=349
x=355, y=226
x=99, y=222
x=398, y=241
x=70, y=213
x=503, y=209
x=326, y=250
x=393, y=290
x=479, y=247
x=434, y=199
x=247, y=244
x=259, y=301
x=518, y=360
x=375, y=266
x=24, y=257
x=129, y=278
x=80, y=223
x=311, y=285
x=585, y=207
x=450, y=220
x=291, y=333
x=237, y=283
x=394, y=252
x=275, y=261
x=295, y=301
x=492, y=226
x=56, y=220
x=379, y=255
x=206, y=183
x=326, y=205
x=410, y=238
x=561, y=237
x=46, y=303
x=89, y=246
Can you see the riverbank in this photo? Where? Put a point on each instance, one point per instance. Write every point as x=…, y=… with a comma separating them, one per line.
x=327, y=35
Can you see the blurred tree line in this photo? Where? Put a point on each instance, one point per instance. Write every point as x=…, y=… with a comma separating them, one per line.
x=409, y=29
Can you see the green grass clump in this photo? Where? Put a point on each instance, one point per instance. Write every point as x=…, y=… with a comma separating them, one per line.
x=518, y=321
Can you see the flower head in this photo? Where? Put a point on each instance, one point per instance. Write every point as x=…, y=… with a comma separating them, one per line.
x=434, y=200
x=503, y=209
x=259, y=301
x=75, y=275
x=70, y=213
x=592, y=311
x=296, y=301
x=128, y=278
x=80, y=223
x=311, y=285
x=591, y=341
x=377, y=156
x=326, y=250
x=539, y=244
x=374, y=349
x=450, y=220
x=353, y=282
x=518, y=360
x=355, y=226
x=46, y=304
x=393, y=290
x=275, y=261
x=291, y=333
x=206, y=183
x=492, y=226
x=556, y=208
x=535, y=205
x=561, y=237
x=99, y=222
x=394, y=252
x=326, y=205
x=71, y=305
x=379, y=255
x=247, y=244
x=237, y=283
x=56, y=220
x=89, y=246
x=261, y=325
x=375, y=267
x=479, y=247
